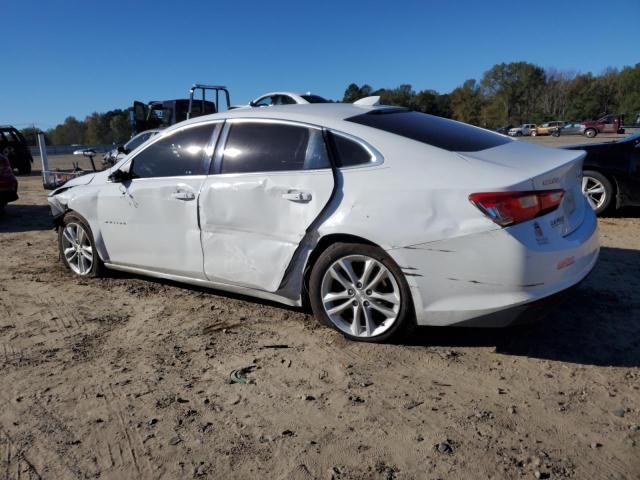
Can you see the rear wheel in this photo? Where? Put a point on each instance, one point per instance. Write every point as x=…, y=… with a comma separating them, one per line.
x=534, y=133
x=598, y=190
x=590, y=132
x=77, y=247
x=361, y=292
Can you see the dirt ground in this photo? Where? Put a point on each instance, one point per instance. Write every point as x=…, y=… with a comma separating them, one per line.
x=125, y=377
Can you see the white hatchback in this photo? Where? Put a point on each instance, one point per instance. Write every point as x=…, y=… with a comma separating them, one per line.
x=378, y=217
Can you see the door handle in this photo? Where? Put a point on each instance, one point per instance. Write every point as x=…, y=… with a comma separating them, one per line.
x=297, y=196
x=182, y=195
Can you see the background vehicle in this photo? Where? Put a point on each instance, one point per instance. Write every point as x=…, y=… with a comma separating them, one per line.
x=14, y=146
x=160, y=114
x=568, y=129
x=525, y=129
x=8, y=183
x=611, y=177
x=504, y=130
x=118, y=153
x=606, y=124
x=288, y=207
x=286, y=98
x=549, y=127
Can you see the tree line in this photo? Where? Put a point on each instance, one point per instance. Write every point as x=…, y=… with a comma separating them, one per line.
x=507, y=94
x=520, y=92
x=96, y=129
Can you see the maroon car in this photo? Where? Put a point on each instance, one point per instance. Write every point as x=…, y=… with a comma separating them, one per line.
x=8, y=182
x=606, y=124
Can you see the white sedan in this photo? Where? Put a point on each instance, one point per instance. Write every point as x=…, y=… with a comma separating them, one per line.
x=378, y=217
x=286, y=98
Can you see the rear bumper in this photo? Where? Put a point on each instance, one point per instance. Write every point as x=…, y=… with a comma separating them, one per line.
x=499, y=277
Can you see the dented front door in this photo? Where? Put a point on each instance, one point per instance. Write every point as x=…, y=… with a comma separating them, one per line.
x=252, y=221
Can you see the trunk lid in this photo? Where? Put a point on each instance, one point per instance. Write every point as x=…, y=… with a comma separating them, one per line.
x=546, y=169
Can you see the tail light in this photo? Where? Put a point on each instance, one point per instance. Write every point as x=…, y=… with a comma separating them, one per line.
x=510, y=208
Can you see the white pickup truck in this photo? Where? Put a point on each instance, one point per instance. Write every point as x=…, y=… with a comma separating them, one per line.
x=525, y=129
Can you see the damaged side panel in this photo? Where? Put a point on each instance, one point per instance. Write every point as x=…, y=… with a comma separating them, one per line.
x=253, y=223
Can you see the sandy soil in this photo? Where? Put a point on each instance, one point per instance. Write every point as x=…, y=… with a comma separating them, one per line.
x=125, y=377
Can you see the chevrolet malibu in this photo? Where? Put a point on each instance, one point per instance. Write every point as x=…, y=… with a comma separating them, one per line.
x=379, y=218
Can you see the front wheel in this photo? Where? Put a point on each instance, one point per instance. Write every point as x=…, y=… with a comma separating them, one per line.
x=361, y=292
x=590, y=132
x=534, y=134
x=598, y=190
x=77, y=247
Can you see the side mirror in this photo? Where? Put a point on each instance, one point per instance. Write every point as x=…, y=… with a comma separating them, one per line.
x=252, y=103
x=121, y=149
x=119, y=176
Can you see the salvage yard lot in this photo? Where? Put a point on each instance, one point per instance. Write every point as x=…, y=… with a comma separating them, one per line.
x=125, y=377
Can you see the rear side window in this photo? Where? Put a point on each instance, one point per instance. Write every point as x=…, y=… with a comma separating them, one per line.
x=314, y=99
x=181, y=153
x=273, y=147
x=350, y=153
x=436, y=131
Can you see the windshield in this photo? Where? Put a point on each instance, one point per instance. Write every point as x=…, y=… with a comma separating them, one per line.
x=314, y=99
x=437, y=131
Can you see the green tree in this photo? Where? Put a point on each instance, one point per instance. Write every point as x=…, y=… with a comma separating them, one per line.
x=629, y=92
x=467, y=103
x=515, y=87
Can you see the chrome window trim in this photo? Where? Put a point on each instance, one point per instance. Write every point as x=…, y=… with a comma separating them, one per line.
x=217, y=158
x=377, y=158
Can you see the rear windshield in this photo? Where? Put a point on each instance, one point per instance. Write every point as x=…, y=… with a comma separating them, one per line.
x=436, y=131
x=314, y=99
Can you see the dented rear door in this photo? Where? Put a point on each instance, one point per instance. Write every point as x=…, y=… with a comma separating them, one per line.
x=270, y=182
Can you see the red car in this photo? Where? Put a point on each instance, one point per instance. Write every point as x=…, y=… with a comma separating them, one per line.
x=606, y=124
x=8, y=182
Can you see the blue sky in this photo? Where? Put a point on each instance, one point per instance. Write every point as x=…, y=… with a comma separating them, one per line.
x=64, y=58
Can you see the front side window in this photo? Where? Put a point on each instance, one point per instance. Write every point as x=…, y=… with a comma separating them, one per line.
x=179, y=154
x=273, y=147
x=263, y=102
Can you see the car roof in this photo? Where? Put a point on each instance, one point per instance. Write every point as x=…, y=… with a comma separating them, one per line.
x=322, y=114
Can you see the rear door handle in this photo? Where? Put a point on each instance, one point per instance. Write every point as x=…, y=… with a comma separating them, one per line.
x=182, y=195
x=297, y=196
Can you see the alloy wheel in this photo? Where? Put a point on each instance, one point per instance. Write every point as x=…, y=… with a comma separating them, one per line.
x=77, y=249
x=361, y=296
x=595, y=192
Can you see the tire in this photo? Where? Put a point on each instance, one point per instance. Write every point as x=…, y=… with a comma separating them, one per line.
x=518, y=134
x=378, y=319
x=534, y=133
x=590, y=132
x=69, y=237
x=598, y=190
x=555, y=133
